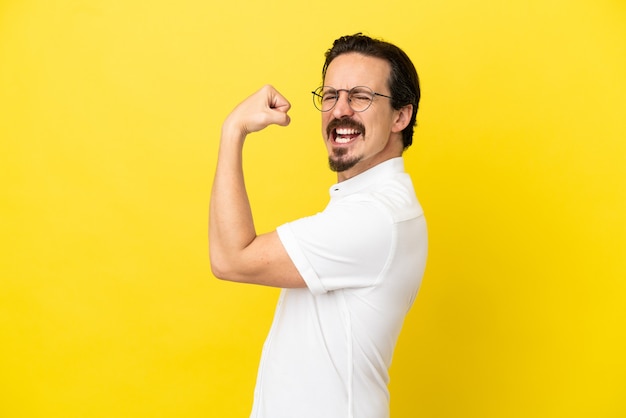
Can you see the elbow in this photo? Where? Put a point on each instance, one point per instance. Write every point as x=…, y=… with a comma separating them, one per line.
x=221, y=269
x=217, y=269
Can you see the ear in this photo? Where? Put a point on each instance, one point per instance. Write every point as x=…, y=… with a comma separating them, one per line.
x=403, y=118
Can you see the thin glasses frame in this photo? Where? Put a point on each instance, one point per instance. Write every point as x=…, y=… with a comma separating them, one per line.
x=325, y=102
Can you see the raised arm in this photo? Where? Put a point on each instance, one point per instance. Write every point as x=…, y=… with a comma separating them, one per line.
x=237, y=253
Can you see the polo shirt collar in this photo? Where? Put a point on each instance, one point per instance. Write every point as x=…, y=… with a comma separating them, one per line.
x=379, y=172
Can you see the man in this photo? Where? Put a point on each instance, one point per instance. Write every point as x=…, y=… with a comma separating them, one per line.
x=350, y=273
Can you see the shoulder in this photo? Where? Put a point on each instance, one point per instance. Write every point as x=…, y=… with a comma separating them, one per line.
x=351, y=219
x=393, y=196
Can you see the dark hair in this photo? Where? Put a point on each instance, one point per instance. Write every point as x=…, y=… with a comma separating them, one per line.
x=403, y=80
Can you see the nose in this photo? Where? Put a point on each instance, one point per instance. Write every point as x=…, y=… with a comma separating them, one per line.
x=342, y=107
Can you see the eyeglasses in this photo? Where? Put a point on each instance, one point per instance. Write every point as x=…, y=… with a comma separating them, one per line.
x=359, y=98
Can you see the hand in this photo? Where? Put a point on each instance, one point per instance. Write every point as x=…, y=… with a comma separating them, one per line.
x=265, y=107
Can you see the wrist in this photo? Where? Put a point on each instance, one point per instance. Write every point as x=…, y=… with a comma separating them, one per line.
x=233, y=133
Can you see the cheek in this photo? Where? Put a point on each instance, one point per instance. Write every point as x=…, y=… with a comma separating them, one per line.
x=325, y=122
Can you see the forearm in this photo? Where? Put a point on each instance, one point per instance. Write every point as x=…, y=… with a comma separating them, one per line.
x=231, y=226
x=236, y=252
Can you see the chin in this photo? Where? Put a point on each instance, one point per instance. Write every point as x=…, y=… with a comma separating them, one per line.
x=339, y=165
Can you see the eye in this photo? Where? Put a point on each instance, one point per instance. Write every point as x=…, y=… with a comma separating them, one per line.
x=329, y=96
x=359, y=95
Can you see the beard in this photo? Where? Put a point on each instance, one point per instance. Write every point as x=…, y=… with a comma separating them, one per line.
x=339, y=164
x=336, y=160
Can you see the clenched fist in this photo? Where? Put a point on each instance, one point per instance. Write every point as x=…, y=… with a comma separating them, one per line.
x=265, y=107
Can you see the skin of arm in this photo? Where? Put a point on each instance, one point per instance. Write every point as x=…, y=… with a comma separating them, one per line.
x=236, y=252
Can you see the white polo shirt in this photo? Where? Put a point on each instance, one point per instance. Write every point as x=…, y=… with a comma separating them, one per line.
x=328, y=352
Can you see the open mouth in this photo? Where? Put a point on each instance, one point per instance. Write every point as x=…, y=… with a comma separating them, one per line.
x=345, y=135
x=345, y=131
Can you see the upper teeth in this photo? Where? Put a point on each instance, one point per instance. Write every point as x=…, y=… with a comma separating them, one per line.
x=347, y=131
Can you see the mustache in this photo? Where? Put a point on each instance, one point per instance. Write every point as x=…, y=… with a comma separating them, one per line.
x=344, y=123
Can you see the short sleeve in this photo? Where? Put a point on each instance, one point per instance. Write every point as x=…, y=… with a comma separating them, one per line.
x=346, y=246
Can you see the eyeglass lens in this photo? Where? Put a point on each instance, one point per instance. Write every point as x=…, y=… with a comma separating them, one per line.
x=359, y=98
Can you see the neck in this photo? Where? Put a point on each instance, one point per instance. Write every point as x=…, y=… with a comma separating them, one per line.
x=394, y=149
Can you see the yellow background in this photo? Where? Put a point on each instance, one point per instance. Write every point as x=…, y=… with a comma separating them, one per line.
x=110, y=113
